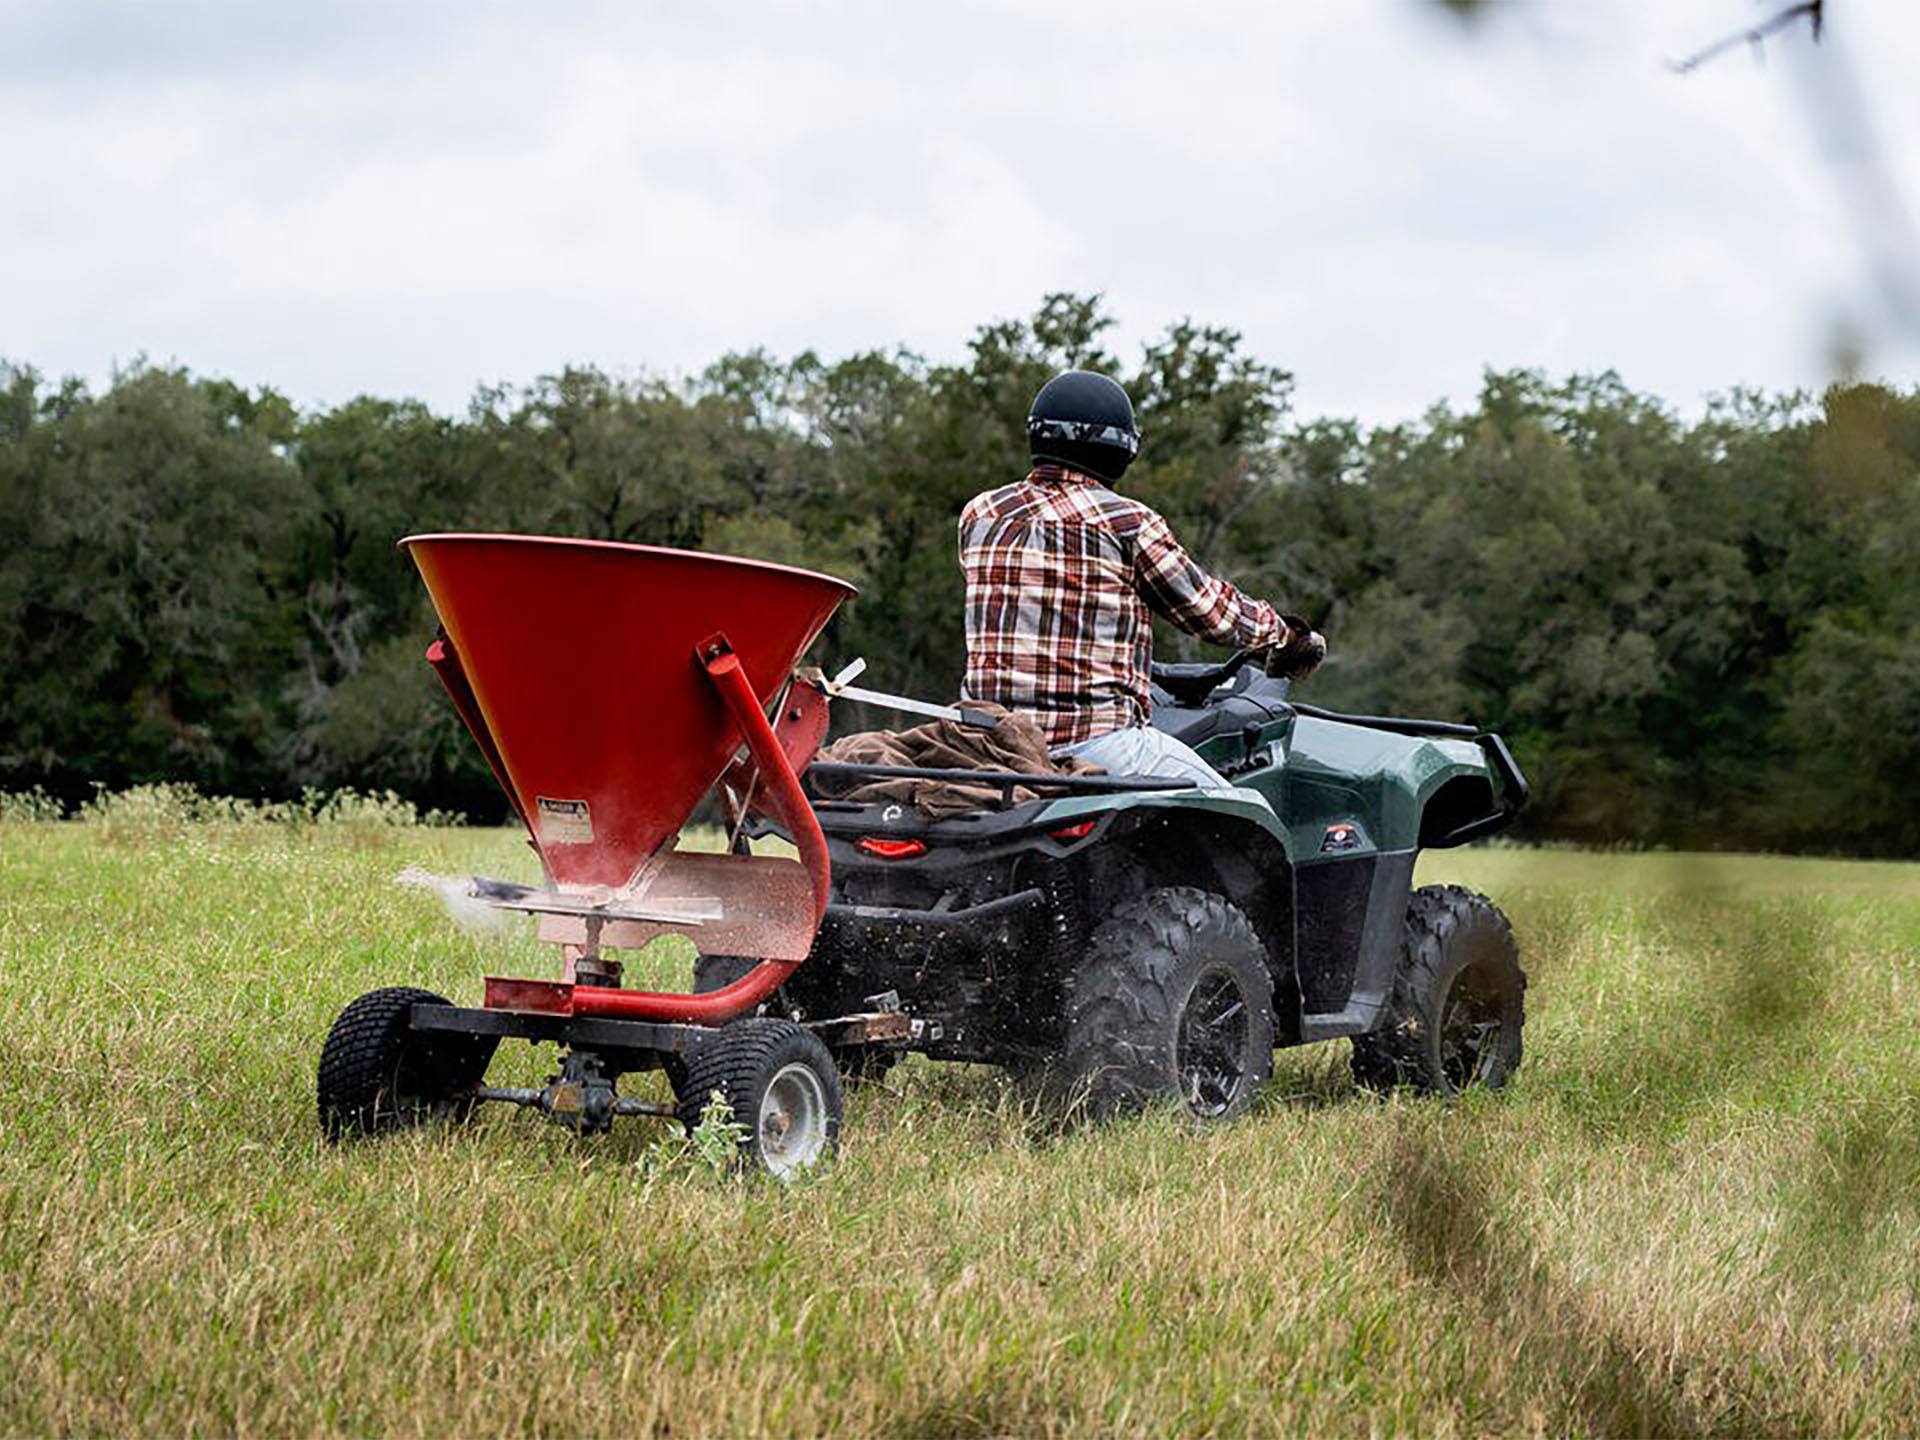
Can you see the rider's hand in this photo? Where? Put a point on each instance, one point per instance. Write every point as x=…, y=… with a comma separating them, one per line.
x=1300, y=654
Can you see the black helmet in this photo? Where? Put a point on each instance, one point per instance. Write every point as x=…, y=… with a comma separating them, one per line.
x=1084, y=421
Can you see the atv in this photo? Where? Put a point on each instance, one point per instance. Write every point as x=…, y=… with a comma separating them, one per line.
x=1127, y=937
x=1122, y=937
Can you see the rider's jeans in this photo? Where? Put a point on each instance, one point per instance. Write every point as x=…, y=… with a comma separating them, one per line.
x=1143, y=750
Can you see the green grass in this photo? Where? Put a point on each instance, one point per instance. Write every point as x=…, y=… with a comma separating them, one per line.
x=1694, y=1212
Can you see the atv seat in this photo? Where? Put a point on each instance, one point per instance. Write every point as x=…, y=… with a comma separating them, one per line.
x=1251, y=699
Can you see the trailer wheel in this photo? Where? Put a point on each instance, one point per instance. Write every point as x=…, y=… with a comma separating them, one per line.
x=782, y=1086
x=377, y=1074
x=1459, y=1000
x=1173, y=998
x=859, y=1064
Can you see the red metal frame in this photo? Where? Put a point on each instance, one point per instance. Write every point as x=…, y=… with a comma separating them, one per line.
x=575, y=665
x=778, y=768
x=453, y=675
x=800, y=724
x=567, y=660
x=789, y=803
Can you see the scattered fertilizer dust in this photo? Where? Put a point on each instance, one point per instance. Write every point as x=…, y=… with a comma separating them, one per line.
x=476, y=917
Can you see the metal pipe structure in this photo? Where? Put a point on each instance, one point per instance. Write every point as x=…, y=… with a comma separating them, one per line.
x=786, y=798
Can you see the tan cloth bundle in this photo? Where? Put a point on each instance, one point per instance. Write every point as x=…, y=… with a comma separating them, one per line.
x=1016, y=743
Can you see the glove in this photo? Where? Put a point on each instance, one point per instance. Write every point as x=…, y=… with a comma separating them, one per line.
x=1300, y=654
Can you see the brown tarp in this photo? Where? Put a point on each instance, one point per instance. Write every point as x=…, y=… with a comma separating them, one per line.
x=1016, y=743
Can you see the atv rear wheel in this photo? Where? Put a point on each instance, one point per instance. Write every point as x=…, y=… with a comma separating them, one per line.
x=1173, y=998
x=1458, y=1005
x=377, y=1074
x=781, y=1085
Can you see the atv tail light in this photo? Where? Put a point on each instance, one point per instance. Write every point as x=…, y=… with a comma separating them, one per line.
x=885, y=849
x=1074, y=832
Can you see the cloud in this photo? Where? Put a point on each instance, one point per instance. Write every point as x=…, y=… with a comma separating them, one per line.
x=418, y=198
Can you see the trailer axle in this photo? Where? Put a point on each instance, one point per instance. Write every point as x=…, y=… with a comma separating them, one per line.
x=560, y=1101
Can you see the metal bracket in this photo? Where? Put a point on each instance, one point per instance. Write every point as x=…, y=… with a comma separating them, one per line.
x=840, y=687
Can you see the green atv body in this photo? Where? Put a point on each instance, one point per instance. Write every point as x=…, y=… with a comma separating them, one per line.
x=1145, y=939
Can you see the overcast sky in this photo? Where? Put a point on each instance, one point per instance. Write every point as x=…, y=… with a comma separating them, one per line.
x=409, y=198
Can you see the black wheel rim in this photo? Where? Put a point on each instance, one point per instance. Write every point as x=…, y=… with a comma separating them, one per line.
x=1211, y=1053
x=1470, y=1023
x=428, y=1086
x=404, y=1102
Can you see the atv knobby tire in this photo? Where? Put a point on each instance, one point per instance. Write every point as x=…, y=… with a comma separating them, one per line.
x=1458, y=1004
x=377, y=1074
x=1173, y=998
x=781, y=1085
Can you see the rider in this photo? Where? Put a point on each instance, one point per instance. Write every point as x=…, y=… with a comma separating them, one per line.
x=1062, y=573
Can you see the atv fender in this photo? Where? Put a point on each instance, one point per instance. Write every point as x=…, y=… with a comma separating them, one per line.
x=1362, y=800
x=1225, y=841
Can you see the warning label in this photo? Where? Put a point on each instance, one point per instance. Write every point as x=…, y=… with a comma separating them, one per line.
x=565, y=822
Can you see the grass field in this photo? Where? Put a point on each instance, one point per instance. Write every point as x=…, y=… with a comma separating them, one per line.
x=1694, y=1212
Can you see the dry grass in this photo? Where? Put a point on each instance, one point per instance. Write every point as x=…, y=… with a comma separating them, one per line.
x=1695, y=1212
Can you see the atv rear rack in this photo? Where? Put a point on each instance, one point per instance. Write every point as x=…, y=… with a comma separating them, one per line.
x=1005, y=781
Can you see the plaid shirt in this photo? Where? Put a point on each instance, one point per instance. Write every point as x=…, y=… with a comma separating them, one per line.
x=1061, y=574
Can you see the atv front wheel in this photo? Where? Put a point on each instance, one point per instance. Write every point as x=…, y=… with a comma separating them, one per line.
x=1458, y=1003
x=781, y=1085
x=378, y=1074
x=1173, y=999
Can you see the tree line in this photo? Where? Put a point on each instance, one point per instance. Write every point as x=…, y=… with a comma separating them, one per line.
x=1697, y=632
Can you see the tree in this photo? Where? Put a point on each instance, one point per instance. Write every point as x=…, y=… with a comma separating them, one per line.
x=1696, y=633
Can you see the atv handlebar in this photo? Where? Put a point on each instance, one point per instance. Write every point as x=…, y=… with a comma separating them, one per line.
x=1190, y=684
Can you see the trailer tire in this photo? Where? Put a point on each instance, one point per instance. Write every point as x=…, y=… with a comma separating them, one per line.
x=1172, y=998
x=378, y=1075
x=859, y=1064
x=780, y=1083
x=1459, y=1000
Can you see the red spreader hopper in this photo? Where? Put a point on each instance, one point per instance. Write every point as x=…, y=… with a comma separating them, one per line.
x=610, y=686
